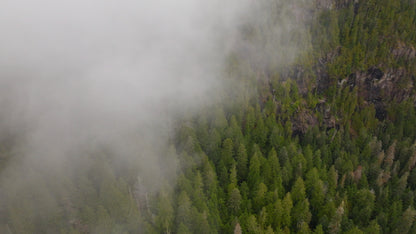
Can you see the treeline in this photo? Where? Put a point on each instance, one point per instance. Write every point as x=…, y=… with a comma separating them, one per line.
x=320, y=148
x=325, y=145
x=249, y=171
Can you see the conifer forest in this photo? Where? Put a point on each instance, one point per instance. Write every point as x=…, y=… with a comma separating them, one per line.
x=310, y=128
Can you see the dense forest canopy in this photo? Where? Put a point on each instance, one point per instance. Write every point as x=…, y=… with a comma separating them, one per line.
x=314, y=131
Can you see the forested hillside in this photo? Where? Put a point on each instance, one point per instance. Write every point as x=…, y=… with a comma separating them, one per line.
x=325, y=144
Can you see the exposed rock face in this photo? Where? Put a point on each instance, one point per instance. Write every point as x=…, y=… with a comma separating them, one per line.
x=302, y=121
x=404, y=51
x=328, y=119
x=379, y=87
x=323, y=79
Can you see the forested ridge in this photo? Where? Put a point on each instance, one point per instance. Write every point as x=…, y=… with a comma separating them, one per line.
x=325, y=144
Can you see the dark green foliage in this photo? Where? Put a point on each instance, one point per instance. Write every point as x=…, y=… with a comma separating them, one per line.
x=315, y=147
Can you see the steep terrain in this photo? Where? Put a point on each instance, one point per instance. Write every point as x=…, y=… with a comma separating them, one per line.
x=324, y=143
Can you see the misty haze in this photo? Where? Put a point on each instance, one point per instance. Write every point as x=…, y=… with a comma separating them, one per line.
x=192, y=116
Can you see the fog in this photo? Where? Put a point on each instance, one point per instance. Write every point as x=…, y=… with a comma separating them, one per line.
x=76, y=75
x=73, y=71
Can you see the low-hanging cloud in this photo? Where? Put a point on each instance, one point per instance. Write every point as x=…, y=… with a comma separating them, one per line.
x=79, y=77
x=103, y=72
x=75, y=70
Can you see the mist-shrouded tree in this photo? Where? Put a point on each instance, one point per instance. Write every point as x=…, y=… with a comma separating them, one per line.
x=165, y=213
x=310, y=129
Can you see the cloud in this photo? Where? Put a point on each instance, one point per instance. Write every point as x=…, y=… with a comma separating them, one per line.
x=77, y=69
x=82, y=77
x=78, y=75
